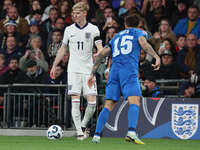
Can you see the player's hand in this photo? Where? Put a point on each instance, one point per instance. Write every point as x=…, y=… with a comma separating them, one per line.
x=94, y=57
x=52, y=73
x=157, y=64
x=91, y=81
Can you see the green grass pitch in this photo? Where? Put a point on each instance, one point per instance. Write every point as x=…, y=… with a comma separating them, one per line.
x=70, y=143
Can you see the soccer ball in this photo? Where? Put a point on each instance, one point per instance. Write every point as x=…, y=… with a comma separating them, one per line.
x=54, y=132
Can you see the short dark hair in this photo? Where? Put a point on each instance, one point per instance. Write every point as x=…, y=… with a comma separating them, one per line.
x=57, y=30
x=60, y=65
x=13, y=37
x=109, y=7
x=194, y=6
x=179, y=36
x=14, y=58
x=60, y=18
x=53, y=8
x=132, y=20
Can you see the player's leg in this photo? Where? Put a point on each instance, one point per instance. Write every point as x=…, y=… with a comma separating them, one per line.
x=89, y=112
x=133, y=114
x=74, y=89
x=90, y=94
x=102, y=119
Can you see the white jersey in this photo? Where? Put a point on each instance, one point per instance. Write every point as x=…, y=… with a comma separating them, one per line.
x=81, y=42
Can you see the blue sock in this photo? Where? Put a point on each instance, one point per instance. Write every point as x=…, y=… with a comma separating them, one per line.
x=103, y=117
x=133, y=115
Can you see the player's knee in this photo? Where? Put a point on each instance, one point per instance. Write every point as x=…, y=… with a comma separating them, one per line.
x=92, y=105
x=75, y=103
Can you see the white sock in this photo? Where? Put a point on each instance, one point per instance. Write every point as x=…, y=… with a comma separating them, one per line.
x=76, y=115
x=91, y=107
x=131, y=133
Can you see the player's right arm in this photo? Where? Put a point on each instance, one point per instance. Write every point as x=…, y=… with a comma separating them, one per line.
x=148, y=49
x=106, y=50
x=59, y=56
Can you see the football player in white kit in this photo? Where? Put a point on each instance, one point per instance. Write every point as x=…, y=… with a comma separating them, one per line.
x=79, y=39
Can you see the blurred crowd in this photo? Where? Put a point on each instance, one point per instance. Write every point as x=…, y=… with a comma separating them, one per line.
x=31, y=34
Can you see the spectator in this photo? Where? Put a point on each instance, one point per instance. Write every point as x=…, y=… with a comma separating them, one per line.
x=65, y=60
x=170, y=7
x=145, y=65
x=152, y=90
x=188, y=57
x=13, y=75
x=14, y=15
x=37, y=55
x=188, y=90
x=197, y=3
x=132, y=10
x=60, y=24
x=11, y=49
x=6, y=5
x=188, y=25
x=55, y=45
x=91, y=11
x=116, y=23
x=49, y=24
x=108, y=14
x=64, y=10
x=36, y=8
x=10, y=30
x=35, y=30
x=60, y=78
x=38, y=15
x=34, y=75
x=164, y=32
x=180, y=13
x=180, y=42
x=155, y=22
x=110, y=34
x=144, y=24
x=54, y=4
x=99, y=14
x=127, y=6
x=169, y=45
x=155, y=4
x=3, y=68
x=168, y=70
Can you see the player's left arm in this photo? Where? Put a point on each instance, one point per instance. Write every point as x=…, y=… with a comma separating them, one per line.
x=106, y=50
x=148, y=49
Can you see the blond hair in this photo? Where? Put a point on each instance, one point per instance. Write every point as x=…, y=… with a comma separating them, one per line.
x=81, y=6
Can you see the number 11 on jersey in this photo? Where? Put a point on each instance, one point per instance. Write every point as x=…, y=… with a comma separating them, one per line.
x=80, y=45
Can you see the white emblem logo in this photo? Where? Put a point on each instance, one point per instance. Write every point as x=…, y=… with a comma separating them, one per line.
x=185, y=120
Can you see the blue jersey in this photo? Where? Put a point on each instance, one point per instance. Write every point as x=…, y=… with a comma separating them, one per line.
x=126, y=48
x=123, y=77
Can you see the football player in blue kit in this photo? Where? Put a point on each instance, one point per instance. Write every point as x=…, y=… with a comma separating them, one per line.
x=123, y=77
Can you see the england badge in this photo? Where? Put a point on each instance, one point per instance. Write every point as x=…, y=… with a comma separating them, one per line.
x=185, y=120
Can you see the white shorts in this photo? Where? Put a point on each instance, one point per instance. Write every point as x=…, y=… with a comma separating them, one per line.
x=77, y=82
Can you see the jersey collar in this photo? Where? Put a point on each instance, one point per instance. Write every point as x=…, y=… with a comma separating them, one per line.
x=82, y=27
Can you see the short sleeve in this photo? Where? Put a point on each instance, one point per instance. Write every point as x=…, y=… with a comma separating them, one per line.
x=66, y=37
x=142, y=33
x=97, y=38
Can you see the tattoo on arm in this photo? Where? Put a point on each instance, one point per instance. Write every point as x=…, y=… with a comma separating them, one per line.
x=147, y=47
x=99, y=58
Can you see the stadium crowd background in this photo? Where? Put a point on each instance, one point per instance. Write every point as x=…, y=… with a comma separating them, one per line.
x=31, y=33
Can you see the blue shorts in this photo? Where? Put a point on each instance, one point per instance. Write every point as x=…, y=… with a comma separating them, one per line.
x=124, y=82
